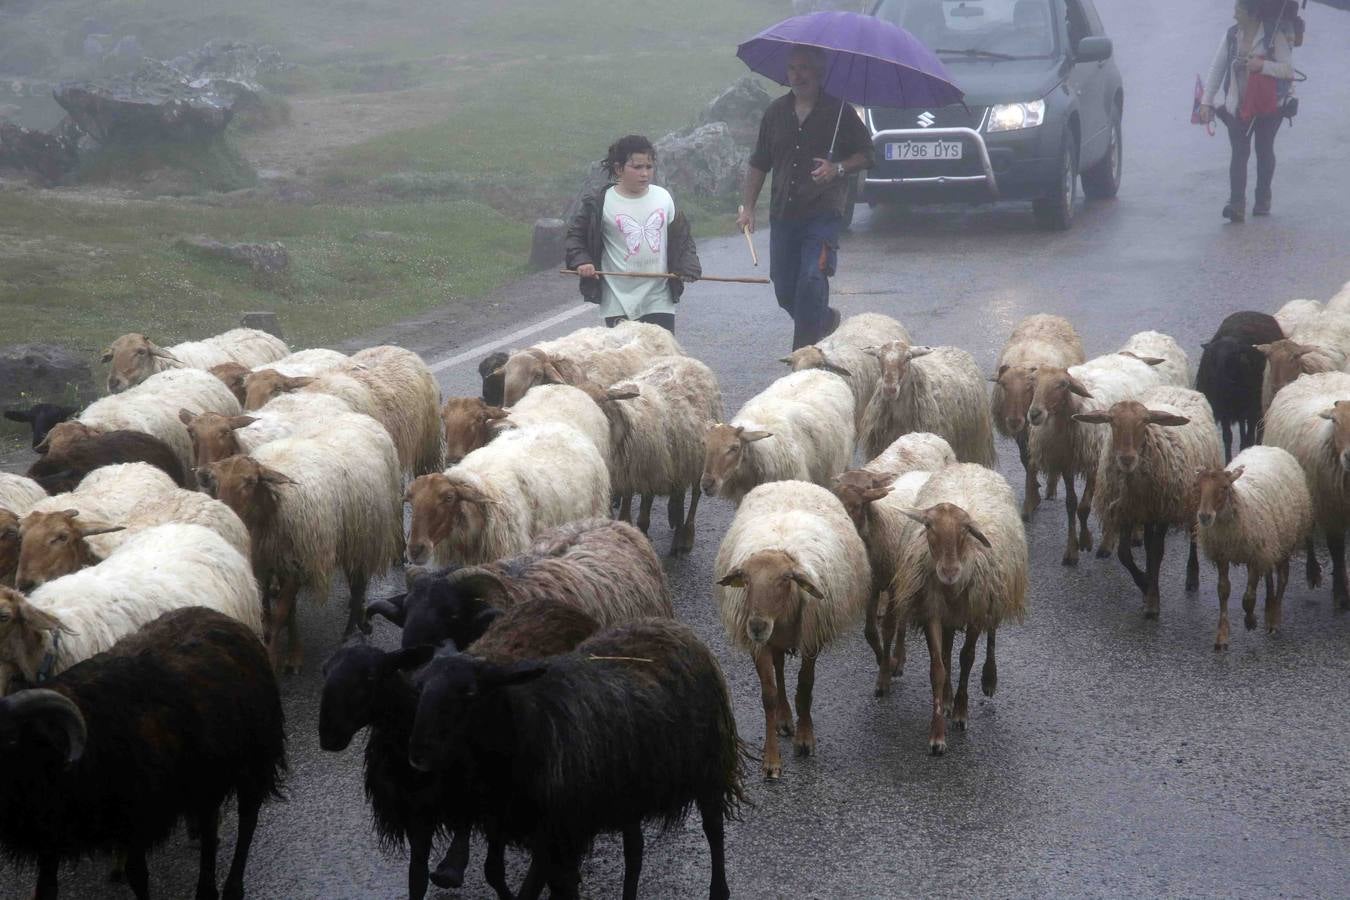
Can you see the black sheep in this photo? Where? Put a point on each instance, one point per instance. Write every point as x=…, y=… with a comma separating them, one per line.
x=635, y=725
x=364, y=687
x=41, y=417
x=1230, y=374
x=494, y=383
x=435, y=610
x=112, y=753
x=63, y=467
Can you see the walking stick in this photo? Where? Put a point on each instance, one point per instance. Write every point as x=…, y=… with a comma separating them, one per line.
x=754, y=257
x=669, y=275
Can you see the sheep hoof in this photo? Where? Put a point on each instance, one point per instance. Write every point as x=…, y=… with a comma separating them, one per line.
x=959, y=723
x=1220, y=646
x=786, y=729
x=988, y=684
x=1103, y=552
x=773, y=771
x=1250, y=622
x=447, y=877
x=1150, y=613
x=937, y=748
x=805, y=748
x=1070, y=559
x=1085, y=543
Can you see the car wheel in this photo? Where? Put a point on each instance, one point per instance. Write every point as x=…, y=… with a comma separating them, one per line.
x=850, y=202
x=1055, y=212
x=1102, y=181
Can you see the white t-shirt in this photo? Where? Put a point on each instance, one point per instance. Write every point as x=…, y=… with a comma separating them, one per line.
x=635, y=232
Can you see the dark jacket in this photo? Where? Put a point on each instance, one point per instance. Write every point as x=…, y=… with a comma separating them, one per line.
x=585, y=244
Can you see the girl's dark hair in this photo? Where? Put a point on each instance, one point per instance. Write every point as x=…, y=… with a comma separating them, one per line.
x=624, y=147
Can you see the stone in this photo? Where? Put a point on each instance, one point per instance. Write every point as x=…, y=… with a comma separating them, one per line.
x=596, y=177
x=46, y=156
x=546, y=247
x=269, y=258
x=705, y=162
x=94, y=46
x=43, y=373
x=265, y=320
x=154, y=102
x=741, y=106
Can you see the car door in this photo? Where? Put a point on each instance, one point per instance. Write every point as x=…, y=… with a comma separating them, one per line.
x=1087, y=83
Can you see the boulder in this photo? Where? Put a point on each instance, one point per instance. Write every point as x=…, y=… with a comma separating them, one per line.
x=546, y=247
x=595, y=178
x=269, y=258
x=153, y=103
x=705, y=162
x=43, y=373
x=741, y=106
x=44, y=155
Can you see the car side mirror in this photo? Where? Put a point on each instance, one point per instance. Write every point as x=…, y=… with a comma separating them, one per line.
x=1093, y=49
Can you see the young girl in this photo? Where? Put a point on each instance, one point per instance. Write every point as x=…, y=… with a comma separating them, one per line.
x=631, y=225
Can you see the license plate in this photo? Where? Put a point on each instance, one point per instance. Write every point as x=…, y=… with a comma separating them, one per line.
x=906, y=150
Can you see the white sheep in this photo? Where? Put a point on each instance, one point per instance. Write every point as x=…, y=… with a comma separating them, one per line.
x=134, y=357
x=602, y=355
x=1320, y=343
x=965, y=569
x=1254, y=513
x=18, y=494
x=153, y=407
x=1340, y=303
x=215, y=437
x=934, y=389
x=844, y=353
x=306, y=362
x=1311, y=419
x=500, y=497
x=1172, y=366
x=160, y=569
x=657, y=420
x=1065, y=449
x=792, y=576
x=314, y=504
x=1038, y=340
x=798, y=428
x=471, y=423
x=1145, y=474
x=1295, y=313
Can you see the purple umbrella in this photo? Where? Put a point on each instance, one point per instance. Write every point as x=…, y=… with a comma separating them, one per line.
x=870, y=61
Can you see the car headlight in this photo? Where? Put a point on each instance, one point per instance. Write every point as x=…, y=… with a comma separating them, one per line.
x=1016, y=116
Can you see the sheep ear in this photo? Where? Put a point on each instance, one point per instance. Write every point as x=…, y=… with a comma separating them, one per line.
x=551, y=372
x=37, y=619
x=492, y=677
x=272, y=476
x=92, y=530
x=185, y=416
x=838, y=370
x=1263, y=349
x=163, y=354
x=390, y=607
x=410, y=658
x=873, y=494
x=1204, y=345
x=107, y=356
x=481, y=583
x=18, y=415
x=494, y=412
x=483, y=621
x=1077, y=387
x=749, y=437
x=1328, y=413
x=1151, y=360
x=46, y=443
x=916, y=352
x=294, y=384
x=624, y=394
x=499, y=372
x=237, y=422
x=978, y=535
x=785, y=359
x=1235, y=474
x=804, y=582
x=918, y=515
x=733, y=579
x=872, y=351
x=1164, y=418
x=472, y=494
x=1093, y=418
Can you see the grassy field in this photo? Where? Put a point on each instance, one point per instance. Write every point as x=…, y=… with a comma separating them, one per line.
x=506, y=103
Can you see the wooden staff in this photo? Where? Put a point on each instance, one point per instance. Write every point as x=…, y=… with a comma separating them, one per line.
x=669, y=275
x=749, y=241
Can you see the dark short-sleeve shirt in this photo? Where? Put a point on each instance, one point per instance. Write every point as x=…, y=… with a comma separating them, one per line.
x=787, y=150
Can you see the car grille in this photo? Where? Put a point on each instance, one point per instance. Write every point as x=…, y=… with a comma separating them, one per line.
x=942, y=117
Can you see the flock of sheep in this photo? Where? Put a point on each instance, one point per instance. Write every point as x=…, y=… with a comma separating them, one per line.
x=152, y=562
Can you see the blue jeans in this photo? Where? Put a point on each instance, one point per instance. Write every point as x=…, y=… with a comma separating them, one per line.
x=802, y=256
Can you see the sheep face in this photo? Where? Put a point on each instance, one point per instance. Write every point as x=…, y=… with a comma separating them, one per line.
x=354, y=681
x=132, y=358
x=457, y=607
x=1051, y=394
x=1339, y=416
x=524, y=370
x=245, y=486
x=468, y=425
x=895, y=357
x=41, y=417
x=1214, y=489
x=952, y=536
x=439, y=506
x=775, y=588
x=260, y=387
x=451, y=685
x=1019, y=385
x=23, y=628
x=233, y=376
x=857, y=489
x=65, y=435
x=1285, y=360
x=812, y=357
x=52, y=544
x=213, y=435
x=725, y=448
x=1129, y=421
x=9, y=546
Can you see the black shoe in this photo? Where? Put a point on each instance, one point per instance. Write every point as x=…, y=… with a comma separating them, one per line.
x=1234, y=214
x=835, y=319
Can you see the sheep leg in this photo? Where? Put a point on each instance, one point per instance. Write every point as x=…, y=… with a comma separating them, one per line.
x=686, y=533
x=948, y=638
x=626, y=508
x=1085, y=507
x=208, y=821
x=1275, y=610
x=279, y=617
x=873, y=638
x=645, y=513
x=632, y=860
x=357, y=582
x=768, y=694
x=937, y=678
x=494, y=870
x=1051, y=482
x=805, y=743
x=1033, y=487
x=1336, y=547
x=1249, y=598
x=1314, y=568
x=1192, y=563
x=250, y=801
x=419, y=850
x=989, y=675
x=532, y=886
x=711, y=813
x=1126, y=555
x=784, y=710
x=961, y=712
x=1154, y=543
x=1221, y=638
x=1070, y=509
x=46, y=883
x=675, y=507
x=138, y=875
x=450, y=872
x=893, y=640
x=1226, y=426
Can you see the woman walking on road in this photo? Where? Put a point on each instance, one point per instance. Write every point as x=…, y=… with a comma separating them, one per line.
x=1259, y=44
x=631, y=225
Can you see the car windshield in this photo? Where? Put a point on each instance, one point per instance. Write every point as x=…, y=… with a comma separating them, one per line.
x=977, y=29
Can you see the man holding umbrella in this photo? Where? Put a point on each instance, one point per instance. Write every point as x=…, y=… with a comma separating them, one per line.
x=812, y=143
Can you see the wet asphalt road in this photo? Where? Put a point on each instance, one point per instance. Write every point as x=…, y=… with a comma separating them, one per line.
x=1120, y=757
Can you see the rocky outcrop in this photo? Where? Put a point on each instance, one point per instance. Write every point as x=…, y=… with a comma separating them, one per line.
x=153, y=103
x=41, y=155
x=269, y=258
x=706, y=162
x=741, y=106
x=42, y=373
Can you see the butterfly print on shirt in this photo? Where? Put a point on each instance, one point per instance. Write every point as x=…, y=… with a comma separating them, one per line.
x=633, y=233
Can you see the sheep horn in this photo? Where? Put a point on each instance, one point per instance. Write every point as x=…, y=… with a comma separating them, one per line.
x=481, y=583
x=39, y=700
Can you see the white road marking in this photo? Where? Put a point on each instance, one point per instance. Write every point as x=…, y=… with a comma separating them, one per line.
x=477, y=353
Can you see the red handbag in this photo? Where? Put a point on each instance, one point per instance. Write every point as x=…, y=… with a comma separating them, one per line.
x=1261, y=98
